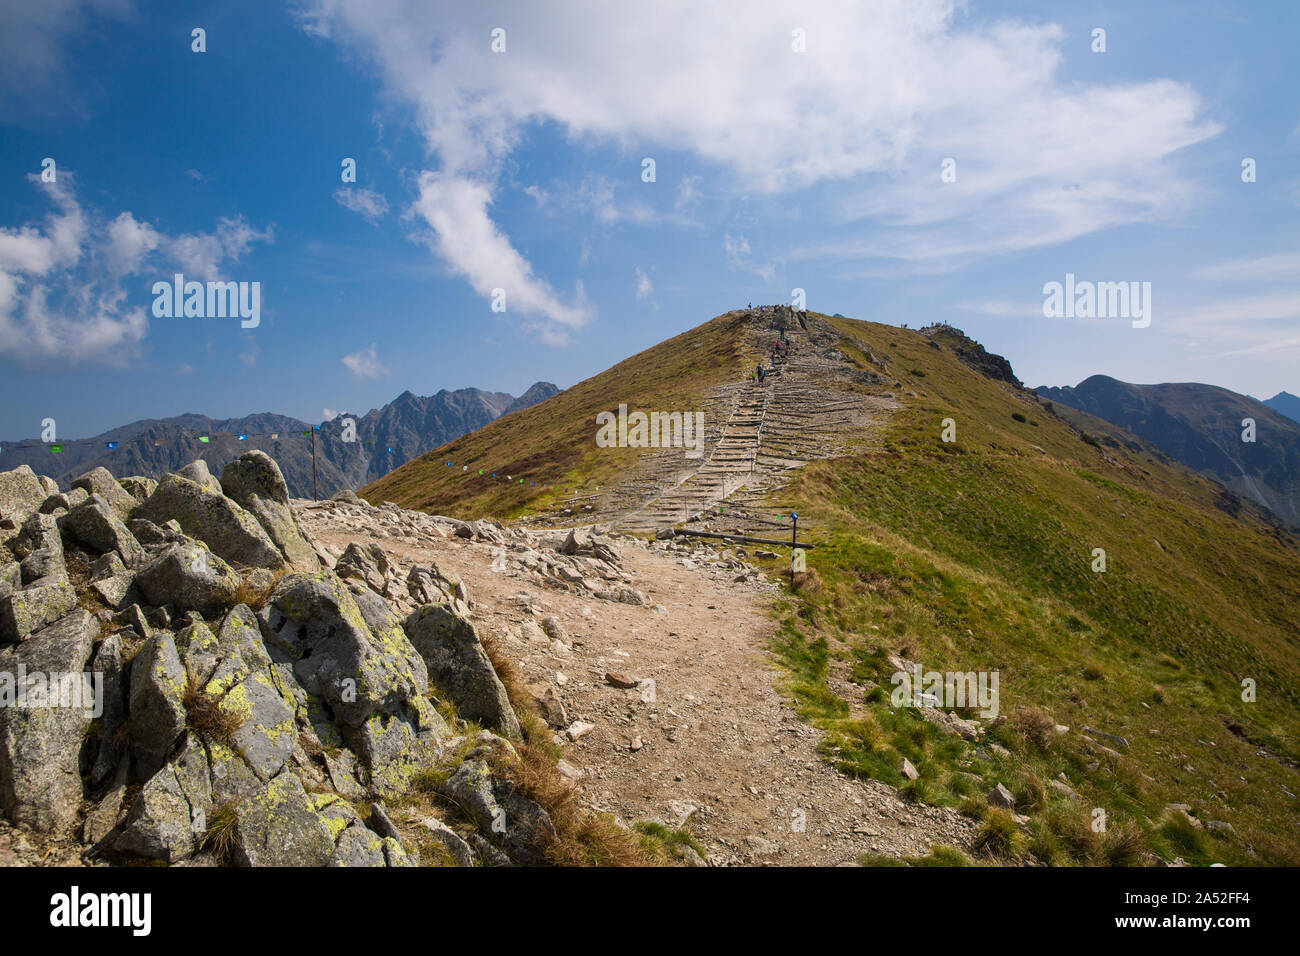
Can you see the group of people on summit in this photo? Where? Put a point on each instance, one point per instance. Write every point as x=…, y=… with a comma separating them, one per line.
x=780, y=351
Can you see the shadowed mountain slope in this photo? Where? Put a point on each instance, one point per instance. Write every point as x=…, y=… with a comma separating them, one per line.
x=409, y=425
x=1202, y=427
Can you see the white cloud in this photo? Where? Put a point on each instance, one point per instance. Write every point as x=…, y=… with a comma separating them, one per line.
x=129, y=243
x=36, y=251
x=62, y=294
x=740, y=255
x=200, y=254
x=644, y=287
x=367, y=203
x=1284, y=265
x=1263, y=307
x=884, y=92
x=596, y=196
x=464, y=235
x=688, y=194
x=365, y=363
x=32, y=57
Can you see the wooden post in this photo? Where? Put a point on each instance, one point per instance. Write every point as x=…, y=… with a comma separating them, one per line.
x=794, y=544
x=313, y=464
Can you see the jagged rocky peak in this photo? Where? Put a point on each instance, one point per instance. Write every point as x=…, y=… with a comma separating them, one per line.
x=972, y=353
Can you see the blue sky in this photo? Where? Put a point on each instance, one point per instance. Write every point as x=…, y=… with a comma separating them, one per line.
x=522, y=170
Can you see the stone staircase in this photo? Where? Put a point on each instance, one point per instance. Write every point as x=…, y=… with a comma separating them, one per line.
x=730, y=463
x=798, y=415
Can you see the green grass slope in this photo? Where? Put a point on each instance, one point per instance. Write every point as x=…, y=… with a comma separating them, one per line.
x=554, y=443
x=977, y=555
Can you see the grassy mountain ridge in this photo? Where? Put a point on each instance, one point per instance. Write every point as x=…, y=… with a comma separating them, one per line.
x=978, y=555
x=553, y=443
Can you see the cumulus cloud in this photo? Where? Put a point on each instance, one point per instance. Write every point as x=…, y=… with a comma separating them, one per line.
x=464, y=235
x=644, y=287
x=367, y=203
x=62, y=294
x=200, y=254
x=130, y=243
x=881, y=96
x=365, y=363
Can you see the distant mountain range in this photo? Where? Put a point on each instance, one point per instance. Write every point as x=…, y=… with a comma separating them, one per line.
x=386, y=437
x=1201, y=427
x=1284, y=403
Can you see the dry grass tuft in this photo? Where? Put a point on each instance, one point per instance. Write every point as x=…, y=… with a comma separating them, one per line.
x=809, y=582
x=219, y=838
x=256, y=596
x=1034, y=726
x=582, y=838
x=205, y=716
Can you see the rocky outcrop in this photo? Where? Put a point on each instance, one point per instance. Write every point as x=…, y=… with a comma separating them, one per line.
x=429, y=585
x=24, y=612
x=169, y=818
x=460, y=668
x=254, y=482
x=209, y=516
x=95, y=525
x=372, y=682
x=198, y=472
x=216, y=734
x=368, y=565
x=99, y=481
x=21, y=494
x=157, y=705
x=190, y=578
x=47, y=708
x=504, y=816
x=138, y=486
x=39, y=548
